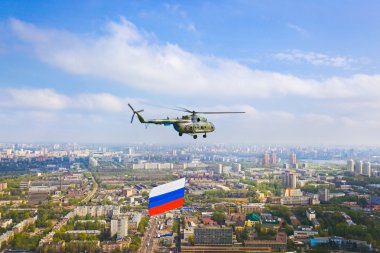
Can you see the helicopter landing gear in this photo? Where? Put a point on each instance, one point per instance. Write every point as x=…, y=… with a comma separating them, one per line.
x=204, y=136
x=180, y=134
x=195, y=136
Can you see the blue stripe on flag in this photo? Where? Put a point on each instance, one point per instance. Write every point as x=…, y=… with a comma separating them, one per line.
x=165, y=198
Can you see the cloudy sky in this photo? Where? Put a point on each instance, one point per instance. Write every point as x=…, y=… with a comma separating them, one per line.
x=306, y=72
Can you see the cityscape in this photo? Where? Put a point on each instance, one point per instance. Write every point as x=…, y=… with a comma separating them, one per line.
x=69, y=197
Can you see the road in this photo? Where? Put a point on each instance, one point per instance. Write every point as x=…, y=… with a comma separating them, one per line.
x=147, y=244
x=92, y=193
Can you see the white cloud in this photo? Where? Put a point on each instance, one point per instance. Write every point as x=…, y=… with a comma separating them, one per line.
x=127, y=56
x=43, y=116
x=318, y=118
x=84, y=117
x=43, y=103
x=188, y=27
x=298, y=29
x=103, y=101
x=33, y=98
x=185, y=24
x=50, y=100
x=313, y=58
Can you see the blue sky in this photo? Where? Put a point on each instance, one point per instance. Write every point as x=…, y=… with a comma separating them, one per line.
x=306, y=72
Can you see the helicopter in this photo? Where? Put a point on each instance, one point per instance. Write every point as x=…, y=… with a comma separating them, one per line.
x=192, y=124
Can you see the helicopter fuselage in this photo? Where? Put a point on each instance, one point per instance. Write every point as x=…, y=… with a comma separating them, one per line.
x=194, y=124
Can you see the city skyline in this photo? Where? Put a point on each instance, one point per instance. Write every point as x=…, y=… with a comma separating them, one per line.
x=306, y=73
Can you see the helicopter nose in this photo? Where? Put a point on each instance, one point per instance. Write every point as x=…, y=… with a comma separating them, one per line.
x=212, y=126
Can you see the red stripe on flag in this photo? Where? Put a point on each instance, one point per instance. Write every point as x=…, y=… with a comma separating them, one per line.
x=166, y=207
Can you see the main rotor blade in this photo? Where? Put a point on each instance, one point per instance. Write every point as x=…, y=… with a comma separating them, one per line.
x=195, y=112
x=170, y=108
x=182, y=109
x=132, y=117
x=216, y=112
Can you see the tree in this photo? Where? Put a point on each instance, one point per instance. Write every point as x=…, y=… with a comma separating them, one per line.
x=289, y=230
x=219, y=217
x=135, y=244
x=243, y=235
x=31, y=228
x=42, y=219
x=191, y=239
x=362, y=202
x=143, y=224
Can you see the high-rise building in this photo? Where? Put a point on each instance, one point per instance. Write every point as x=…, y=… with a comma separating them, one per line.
x=93, y=162
x=130, y=151
x=350, y=165
x=265, y=159
x=213, y=236
x=123, y=227
x=219, y=169
x=273, y=158
x=367, y=169
x=114, y=227
x=324, y=195
x=284, y=179
x=293, y=159
x=358, y=169
x=134, y=221
x=293, y=180
x=119, y=227
x=289, y=180
x=236, y=167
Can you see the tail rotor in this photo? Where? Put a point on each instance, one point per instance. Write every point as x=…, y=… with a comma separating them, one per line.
x=134, y=112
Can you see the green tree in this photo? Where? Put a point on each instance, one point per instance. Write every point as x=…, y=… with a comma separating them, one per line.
x=219, y=217
x=143, y=224
x=362, y=202
x=243, y=235
x=135, y=244
x=31, y=228
x=191, y=239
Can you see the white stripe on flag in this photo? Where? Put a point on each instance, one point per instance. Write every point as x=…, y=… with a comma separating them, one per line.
x=169, y=187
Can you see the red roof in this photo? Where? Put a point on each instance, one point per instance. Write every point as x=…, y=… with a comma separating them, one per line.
x=208, y=221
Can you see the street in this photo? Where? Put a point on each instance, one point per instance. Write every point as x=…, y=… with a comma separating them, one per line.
x=147, y=244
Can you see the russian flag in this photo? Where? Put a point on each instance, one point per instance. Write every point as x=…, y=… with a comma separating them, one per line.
x=166, y=197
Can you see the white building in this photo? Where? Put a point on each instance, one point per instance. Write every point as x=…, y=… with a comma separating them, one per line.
x=6, y=223
x=367, y=169
x=114, y=227
x=310, y=214
x=324, y=195
x=302, y=234
x=236, y=167
x=134, y=221
x=123, y=228
x=93, y=162
x=358, y=170
x=350, y=165
x=293, y=159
